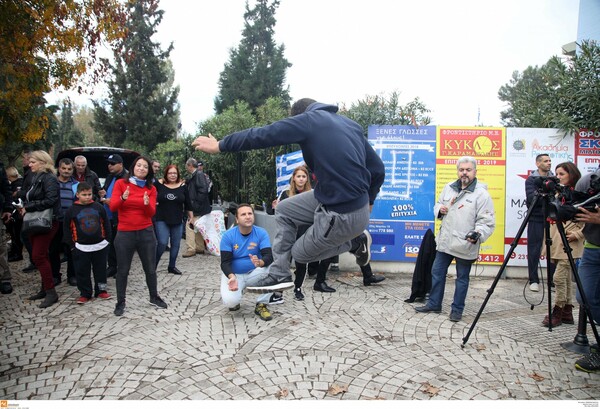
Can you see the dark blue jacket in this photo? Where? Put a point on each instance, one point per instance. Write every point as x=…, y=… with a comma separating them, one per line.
x=349, y=171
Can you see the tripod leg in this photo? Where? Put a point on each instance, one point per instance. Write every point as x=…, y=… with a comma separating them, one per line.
x=490, y=291
x=580, y=343
x=584, y=302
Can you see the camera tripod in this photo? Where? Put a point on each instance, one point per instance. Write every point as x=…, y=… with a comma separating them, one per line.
x=584, y=304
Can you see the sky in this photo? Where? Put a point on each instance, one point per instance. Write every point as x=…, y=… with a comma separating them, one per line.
x=453, y=55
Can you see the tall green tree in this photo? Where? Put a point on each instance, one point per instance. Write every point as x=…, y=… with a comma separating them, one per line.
x=67, y=135
x=142, y=109
x=255, y=181
x=561, y=94
x=256, y=69
x=387, y=110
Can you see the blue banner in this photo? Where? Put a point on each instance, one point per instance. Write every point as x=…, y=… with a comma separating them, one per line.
x=403, y=210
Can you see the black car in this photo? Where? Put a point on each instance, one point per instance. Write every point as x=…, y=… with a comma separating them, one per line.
x=96, y=157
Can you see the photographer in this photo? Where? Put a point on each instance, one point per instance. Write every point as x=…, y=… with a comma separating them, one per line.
x=562, y=313
x=589, y=267
x=467, y=214
x=535, y=226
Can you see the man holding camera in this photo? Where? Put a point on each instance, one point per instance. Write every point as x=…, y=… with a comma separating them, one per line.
x=535, y=225
x=589, y=268
x=467, y=213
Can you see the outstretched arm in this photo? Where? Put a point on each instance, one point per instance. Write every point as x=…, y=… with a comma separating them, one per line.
x=208, y=144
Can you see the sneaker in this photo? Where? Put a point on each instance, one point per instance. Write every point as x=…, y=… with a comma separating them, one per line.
x=276, y=298
x=455, y=316
x=158, y=302
x=589, y=363
x=237, y=307
x=363, y=252
x=6, y=287
x=120, y=308
x=534, y=287
x=262, y=311
x=82, y=300
x=334, y=267
x=104, y=295
x=271, y=284
x=425, y=308
x=298, y=294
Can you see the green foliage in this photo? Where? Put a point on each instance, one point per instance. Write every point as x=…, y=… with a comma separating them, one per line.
x=560, y=94
x=67, y=135
x=174, y=152
x=142, y=109
x=382, y=110
x=256, y=69
x=257, y=180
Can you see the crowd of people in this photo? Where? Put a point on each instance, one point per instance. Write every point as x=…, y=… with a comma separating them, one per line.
x=97, y=229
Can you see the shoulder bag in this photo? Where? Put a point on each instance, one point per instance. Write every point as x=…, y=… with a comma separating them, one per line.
x=37, y=222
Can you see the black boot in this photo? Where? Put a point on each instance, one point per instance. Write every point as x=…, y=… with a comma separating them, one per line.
x=51, y=298
x=39, y=296
x=372, y=279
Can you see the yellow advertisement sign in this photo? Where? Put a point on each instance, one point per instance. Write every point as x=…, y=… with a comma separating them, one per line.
x=487, y=146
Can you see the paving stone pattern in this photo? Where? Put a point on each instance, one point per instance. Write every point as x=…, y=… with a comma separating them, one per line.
x=358, y=343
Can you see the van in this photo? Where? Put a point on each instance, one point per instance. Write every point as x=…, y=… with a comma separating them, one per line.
x=96, y=158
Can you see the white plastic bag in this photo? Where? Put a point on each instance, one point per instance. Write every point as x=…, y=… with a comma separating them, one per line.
x=211, y=226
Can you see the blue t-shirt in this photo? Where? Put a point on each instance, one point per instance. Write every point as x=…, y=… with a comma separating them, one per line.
x=242, y=246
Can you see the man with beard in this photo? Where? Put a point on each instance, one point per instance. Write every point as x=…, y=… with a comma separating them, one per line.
x=467, y=214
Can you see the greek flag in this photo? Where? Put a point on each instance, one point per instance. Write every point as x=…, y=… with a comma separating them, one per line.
x=285, y=165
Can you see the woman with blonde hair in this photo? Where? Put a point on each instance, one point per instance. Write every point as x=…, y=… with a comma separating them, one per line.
x=42, y=194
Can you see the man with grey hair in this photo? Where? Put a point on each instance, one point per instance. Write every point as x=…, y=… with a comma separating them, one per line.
x=198, y=191
x=84, y=174
x=467, y=213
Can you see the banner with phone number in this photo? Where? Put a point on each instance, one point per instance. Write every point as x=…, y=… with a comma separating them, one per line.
x=403, y=210
x=487, y=146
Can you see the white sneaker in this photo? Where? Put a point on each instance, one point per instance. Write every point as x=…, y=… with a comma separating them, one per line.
x=534, y=287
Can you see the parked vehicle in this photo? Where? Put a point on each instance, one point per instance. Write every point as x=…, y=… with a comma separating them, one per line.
x=96, y=157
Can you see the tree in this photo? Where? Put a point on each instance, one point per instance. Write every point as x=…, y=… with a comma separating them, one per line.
x=67, y=135
x=255, y=181
x=256, y=70
x=83, y=118
x=48, y=44
x=560, y=94
x=382, y=110
x=142, y=109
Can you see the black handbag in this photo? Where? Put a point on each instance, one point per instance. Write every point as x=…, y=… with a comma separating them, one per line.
x=37, y=222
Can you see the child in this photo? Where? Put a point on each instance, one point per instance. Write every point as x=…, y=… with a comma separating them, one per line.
x=86, y=229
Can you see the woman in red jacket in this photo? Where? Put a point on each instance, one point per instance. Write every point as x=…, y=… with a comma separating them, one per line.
x=135, y=200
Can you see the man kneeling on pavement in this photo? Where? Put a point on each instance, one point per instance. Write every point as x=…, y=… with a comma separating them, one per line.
x=245, y=255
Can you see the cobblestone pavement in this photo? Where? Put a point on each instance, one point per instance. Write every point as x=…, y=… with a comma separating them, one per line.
x=358, y=343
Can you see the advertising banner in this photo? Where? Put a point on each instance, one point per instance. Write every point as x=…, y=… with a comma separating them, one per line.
x=403, y=210
x=587, y=150
x=487, y=146
x=523, y=145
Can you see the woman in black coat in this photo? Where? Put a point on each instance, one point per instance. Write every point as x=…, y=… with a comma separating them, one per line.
x=42, y=194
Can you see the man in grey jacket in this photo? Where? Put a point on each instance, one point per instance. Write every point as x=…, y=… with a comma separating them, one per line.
x=467, y=214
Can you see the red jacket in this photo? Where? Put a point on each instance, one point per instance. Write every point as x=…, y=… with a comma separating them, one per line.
x=133, y=213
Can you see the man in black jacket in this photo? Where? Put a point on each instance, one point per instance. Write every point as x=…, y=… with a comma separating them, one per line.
x=84, y=174
x=198, y=190
x=116, y=172
x=6, y=207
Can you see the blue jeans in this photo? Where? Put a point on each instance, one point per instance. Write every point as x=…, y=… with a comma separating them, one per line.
x=589, y=274
x=438, y=281
x=165, y=231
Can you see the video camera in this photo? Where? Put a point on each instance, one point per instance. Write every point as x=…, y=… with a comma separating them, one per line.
x=566, y=202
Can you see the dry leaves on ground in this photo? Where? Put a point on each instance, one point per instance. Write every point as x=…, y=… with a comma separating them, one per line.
x=430, y=389
x=283, y=393
x=536, y=376
x=337, y=389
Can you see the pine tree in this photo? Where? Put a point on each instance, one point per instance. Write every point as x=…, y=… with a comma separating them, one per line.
x=142, y=109
x=67, y=135
x=257, y=68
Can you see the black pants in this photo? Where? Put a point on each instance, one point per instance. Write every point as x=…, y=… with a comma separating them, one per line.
x=84, y=263
x=301, y=272
x=126, y=244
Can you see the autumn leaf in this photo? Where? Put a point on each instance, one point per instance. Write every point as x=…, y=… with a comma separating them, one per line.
x=536, y=376
x=337, y=389
x=430, y=389
x=283, y=393
x=480, y=347
x=230, y=369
